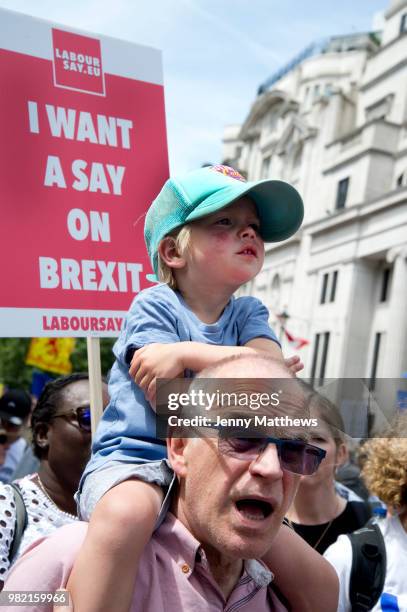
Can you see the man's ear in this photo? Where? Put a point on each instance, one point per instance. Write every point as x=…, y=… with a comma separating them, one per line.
x=40, y=435
x=176, y=454
x=169, y=253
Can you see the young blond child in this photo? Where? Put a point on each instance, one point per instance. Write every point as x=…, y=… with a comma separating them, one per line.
x=205, y=235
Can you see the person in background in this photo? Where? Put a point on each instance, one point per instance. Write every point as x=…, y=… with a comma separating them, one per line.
x=61, y=438
x=319, y=513
x=28, y=464
x=3, y=445
x=15, y=408
x=385, y=474
x=348, y=474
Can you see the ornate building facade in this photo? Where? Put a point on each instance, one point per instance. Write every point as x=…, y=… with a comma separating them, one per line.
x=334, y=124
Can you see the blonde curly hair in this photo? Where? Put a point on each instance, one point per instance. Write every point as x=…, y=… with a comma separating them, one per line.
x=385, y=468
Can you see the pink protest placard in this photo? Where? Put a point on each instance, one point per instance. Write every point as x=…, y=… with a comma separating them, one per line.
x=82, y=155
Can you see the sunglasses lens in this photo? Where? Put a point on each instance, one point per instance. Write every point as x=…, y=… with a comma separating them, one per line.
x=84, y=421
x=299, y=457
x=3, y=438
x=296, y=456
x=241, y=448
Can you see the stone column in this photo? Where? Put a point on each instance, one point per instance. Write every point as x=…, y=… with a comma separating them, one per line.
x=395, y=358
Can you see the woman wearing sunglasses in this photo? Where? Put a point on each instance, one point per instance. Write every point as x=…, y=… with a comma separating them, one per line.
x=319, y=514
x=61, y=438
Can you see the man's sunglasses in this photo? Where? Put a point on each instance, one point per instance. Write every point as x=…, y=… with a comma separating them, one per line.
x=296, y=456
x=81, y=416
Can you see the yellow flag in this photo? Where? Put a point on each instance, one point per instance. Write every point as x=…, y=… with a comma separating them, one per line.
x=51, y=354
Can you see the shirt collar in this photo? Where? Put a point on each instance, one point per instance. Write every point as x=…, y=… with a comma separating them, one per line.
x=187, y=551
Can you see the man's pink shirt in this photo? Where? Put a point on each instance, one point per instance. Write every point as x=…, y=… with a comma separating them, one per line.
x=173, y=575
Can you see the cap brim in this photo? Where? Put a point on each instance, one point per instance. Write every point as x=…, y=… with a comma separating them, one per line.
x=279, y=206
x=14, y=420
x=153, y=278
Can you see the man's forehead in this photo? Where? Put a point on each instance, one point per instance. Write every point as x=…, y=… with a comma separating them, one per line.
x=253, y=368
x=250, y=387
x=204, y=402
x=248, y=397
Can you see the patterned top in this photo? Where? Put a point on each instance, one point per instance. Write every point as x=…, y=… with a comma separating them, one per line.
x=42, y=514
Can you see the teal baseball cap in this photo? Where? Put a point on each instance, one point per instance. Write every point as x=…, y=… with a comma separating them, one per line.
x=202, y=192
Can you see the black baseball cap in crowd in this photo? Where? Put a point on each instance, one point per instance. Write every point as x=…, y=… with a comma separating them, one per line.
x=15, y=406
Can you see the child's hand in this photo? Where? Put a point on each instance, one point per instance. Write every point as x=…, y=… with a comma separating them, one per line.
x=155, y=361
x=294, y=364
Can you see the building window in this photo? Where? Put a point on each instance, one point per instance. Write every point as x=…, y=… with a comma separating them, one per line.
x=380, y=109
x=385, y=287
x=400, y=180
x=333, y=285
x=328, y=288
x=324, y=287
x=297, y=156
x=273, y=122
x=319, y=358
x=375, y=360
x=403, y=24
x=342, y=193
x=265, y=168
x=316, y=92
x=275, y=292
x=328, y=89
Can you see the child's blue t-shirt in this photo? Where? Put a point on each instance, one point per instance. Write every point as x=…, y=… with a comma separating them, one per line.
x=127, y=430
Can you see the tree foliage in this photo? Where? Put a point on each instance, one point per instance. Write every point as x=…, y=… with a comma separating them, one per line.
x=15, y=373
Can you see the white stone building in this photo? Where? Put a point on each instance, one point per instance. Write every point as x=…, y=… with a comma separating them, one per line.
x=334, y=124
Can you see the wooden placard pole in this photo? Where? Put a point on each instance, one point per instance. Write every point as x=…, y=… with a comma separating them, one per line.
x=95, y=381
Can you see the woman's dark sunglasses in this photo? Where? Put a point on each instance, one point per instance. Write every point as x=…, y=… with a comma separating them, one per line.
x=82, y=417
x=296, y=456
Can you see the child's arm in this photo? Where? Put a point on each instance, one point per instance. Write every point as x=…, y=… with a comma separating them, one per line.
x=303, y=576
x=158, y=360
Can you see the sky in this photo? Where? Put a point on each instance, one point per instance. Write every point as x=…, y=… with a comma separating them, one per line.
x=215, y=52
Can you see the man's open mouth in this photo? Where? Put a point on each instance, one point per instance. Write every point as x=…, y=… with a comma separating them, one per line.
x=254, y=509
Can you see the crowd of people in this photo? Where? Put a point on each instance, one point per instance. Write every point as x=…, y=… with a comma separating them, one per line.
x=198, y=538
x=228, y=517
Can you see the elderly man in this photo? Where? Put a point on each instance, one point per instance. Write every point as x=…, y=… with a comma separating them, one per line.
x=227, y=511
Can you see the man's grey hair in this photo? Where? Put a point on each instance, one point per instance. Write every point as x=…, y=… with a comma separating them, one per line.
x=259, y=358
